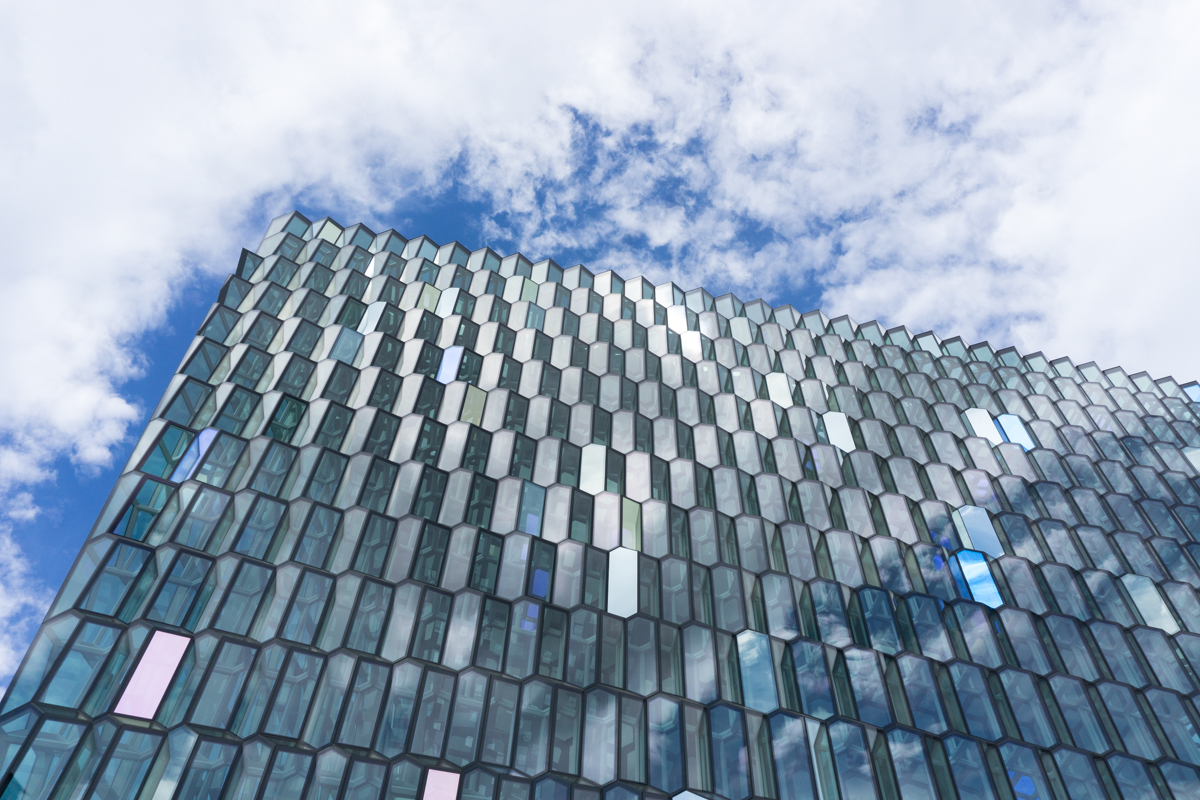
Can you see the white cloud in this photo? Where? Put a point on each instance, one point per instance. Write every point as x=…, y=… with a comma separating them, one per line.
x=1021, y=171
x=22, y=604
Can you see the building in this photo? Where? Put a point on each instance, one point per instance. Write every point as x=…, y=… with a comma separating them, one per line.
x=417, y=522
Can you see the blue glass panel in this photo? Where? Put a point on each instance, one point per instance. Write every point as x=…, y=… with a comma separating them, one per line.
x=1077, y=712
x=923, y=699
x=978, y=578
x=853, y=760
x=970, y=684
x=793, y=770
x=915, y=779
x=731, y=777
x=665, y=745
x=1176, y=724
x=1131, y=777
x=812, y=678
x=451, y=359
x=968, y=768
x=758, y=674
x=1079, y=775
x=976, y=530
x=533, y=499
x=1013, y=430
x=870, y=697
x=1025, y=773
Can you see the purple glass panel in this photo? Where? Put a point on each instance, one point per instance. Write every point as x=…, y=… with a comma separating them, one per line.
x=195, y=452
x=152, y=676
x=440, y=785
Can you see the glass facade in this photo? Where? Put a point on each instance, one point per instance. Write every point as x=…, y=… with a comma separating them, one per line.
x=417, y=522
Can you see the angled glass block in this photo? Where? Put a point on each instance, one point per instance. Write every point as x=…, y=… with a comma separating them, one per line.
x=423, y=521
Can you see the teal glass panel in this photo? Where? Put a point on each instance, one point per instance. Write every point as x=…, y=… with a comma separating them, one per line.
x=38, y=770
x=294, y=694
x=209, y=770
x=80, y=665
x=127, y=765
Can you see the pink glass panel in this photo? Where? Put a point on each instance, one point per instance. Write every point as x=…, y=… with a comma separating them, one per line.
x=152, y=676
x=440, y=785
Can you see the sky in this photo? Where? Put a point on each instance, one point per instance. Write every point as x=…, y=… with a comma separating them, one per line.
x=1019, y=172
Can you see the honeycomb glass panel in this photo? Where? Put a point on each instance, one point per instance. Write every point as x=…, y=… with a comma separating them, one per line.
x=429, y=523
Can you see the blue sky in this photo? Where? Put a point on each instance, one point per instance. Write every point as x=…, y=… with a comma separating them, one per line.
x=1022, y=172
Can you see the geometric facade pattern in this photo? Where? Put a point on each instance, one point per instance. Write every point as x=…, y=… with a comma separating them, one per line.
x=417, y=522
